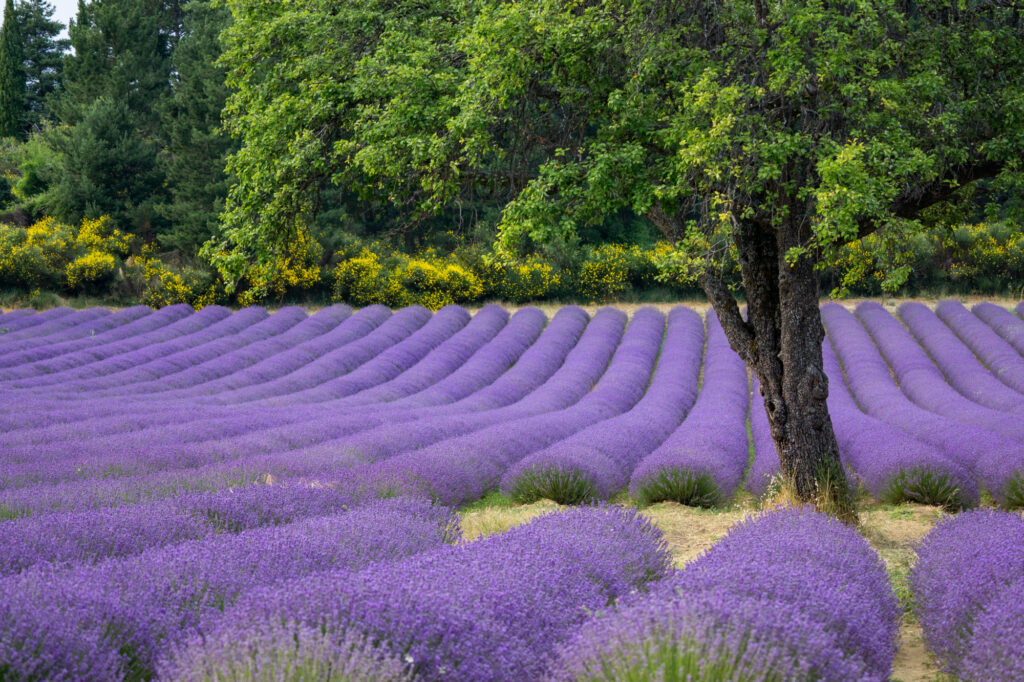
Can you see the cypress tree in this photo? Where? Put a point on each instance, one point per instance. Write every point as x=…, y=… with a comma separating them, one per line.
x=12, y=75
x=43, y=58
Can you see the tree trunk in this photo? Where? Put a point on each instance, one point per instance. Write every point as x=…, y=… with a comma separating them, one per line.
x=781, y=343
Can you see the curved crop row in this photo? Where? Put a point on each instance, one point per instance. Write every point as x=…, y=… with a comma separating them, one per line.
x=963, y=371
x=1003, y=322
x=999, y=357
x=464, y=468
x=703, y=460
x=112, y=621
x=788, y=595
x=597, y=462
x=489, y=610
x=893, y=465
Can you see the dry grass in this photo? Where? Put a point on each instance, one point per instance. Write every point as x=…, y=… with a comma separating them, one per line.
x=892, y=530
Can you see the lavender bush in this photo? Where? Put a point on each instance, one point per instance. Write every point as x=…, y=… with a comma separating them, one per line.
x=787, y=595
x=963, y=585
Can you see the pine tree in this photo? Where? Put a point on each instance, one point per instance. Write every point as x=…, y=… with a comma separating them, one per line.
x=120, y=68
x=196, y=149
x=12, y=75
x=43, y=58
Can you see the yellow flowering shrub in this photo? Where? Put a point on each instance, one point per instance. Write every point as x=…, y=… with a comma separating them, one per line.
x=435, y=284
x=52, y=255
x=93, y=269
x=296, y=268
x=163, y=286
x=531, y=279
x=401, y=280
x=604, y=274
x=363, y=280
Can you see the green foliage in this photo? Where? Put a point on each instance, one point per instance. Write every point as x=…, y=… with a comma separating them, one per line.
x=105, y=168
x=563, y=487
x=924, y=486
x=43, y=59
x=1014, y=493
x=12, y=74
x=195, y=152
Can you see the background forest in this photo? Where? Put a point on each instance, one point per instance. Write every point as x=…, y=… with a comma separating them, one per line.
x=157, y=127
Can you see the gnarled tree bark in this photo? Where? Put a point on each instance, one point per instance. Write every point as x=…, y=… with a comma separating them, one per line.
x=780, y=340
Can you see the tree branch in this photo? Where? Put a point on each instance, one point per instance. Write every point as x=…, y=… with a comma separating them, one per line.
x=739, y=333
x=912, y=202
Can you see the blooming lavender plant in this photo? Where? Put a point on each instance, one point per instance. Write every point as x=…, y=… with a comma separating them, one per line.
x=703, y=461
x=960, y=583
x=493, y=609
x=272, y=652
x=597, y=461
x=998, y=356
x=121, y=614
x=962, y=369
x=1003, y=322
x=788, y=595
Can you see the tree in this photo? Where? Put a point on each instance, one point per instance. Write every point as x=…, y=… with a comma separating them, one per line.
x=120, y=66
x=104, y=168
x=780, y=131
x=771, y=132
x=12, y=74
x=43, y=59
x=194, y=157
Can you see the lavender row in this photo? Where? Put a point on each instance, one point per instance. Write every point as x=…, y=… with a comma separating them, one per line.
x=999, y=357
x=22, y=323
x=963, y=371
x=122, y=452
x=349, y=331
x=765, y=466
x=220, y=325
x=112, y=621
x=87, y=334
x=80, y=324
x=787, y=595
x=490, y=610
x=870, y=381
x=702, y=462
x=967, y=584
x=597, y=461
x=550, y=374
x=998, y=468
x=462, y=469
x=1003, y=322
x=893, y=465
x=449, y=354
x=273, y=451
x=91, y=535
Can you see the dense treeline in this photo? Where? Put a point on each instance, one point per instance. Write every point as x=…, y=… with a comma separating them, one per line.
x=299, y=140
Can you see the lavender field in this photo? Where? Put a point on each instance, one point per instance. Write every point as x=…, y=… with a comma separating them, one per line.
x=218, y=495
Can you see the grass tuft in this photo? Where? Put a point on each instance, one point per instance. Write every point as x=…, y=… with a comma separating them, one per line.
x=920, y=484
x=679, y=485
x=1013, y=493
x=557, y=485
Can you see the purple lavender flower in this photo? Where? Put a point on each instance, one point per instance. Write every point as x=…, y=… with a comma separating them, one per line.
x=963, y=566
x=272, y=652
x=125, y=612
x=788, y=595
x=1003, y=322
x=492, y=609
x=703, y=461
